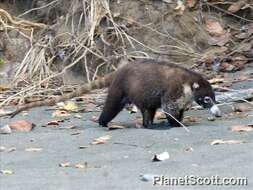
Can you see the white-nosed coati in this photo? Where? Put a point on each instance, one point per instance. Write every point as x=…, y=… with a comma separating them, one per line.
x=149, y=84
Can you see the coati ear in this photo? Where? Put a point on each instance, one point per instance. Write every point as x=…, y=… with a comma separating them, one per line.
x=195, y=85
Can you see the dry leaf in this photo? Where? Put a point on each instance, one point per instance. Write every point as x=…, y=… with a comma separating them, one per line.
x=116, y=14
x=167, y=1
x=94, y=119
x=54, y=122
x=138, y=122
x=226, y=67
x=239, y=61
x=216, y=80
x=190, y=119
x=160, y=115
x=22, y=125
x=83, y=147
x=33, y=149
x=101, y=140
x=3, y=88
x=114, y=126
x=78, y=116
x=77, y=133
x=190, y=3
x=3, y=149
x=60, y=113
x=68, y=127
x=6, y=172
x=161, y=157
x=3, y=112
x=242, y=107
x=242, y=35
x=240, y=78
x=220, y=141
x=220, y=40
x=133, y=109
x=242, y=128
x=213, y=27
x=180, y=7
x=138, y=119
x=12, y=149
x=5, y=129
x=188, y=149
x=67, y=164
x=234, y=7
x=70, y=106
x=80, y=166
x=250, y=29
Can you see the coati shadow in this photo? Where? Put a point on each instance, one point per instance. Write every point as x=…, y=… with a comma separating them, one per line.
x=156, y=126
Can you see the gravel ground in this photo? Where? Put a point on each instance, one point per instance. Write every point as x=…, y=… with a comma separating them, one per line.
x=119, y=163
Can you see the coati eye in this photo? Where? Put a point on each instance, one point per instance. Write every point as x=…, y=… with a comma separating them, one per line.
x=207, y=99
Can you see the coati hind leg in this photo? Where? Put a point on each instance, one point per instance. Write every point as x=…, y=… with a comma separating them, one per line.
x=115, y=102
x=148, y=117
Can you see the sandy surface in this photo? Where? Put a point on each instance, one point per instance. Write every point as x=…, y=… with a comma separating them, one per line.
x=119, y=163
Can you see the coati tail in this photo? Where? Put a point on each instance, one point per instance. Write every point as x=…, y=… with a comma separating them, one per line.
x=86, y=88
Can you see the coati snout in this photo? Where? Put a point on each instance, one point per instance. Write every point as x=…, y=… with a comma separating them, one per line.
x=151, y=84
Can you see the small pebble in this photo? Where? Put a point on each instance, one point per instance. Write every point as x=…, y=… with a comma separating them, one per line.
x=147, y=177
x=211, y=118
x=2, y=148
x=5, y=129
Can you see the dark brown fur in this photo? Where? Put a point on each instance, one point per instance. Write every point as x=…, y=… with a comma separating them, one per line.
x=150, y=85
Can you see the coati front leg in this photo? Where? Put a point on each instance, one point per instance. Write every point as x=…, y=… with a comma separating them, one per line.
x=173, y=112
x=115, y=102
x=177, y=116
x=148, y=117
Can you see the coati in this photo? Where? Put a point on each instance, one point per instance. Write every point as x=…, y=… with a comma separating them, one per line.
x=149, y=84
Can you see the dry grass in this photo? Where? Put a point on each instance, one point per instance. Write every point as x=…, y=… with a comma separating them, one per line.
x=77, y=45
x=76, y=39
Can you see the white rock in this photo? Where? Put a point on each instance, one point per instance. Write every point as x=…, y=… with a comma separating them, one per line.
x=5, y=129
x=161, y=157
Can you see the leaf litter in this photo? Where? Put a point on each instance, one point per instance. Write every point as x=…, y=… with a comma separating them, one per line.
x=101, y=140
x=68, y=106
x=220, y=141
x=6, y=172
x=33, y=149
x=22, y=125
x=55, y=122
x=242, y=128
x=115, y=126
x=84, y=165
x=242, y=107
x=60, y=113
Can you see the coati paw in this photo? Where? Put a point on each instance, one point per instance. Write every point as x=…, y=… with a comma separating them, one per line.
x=149, y=126
x=174, y=124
